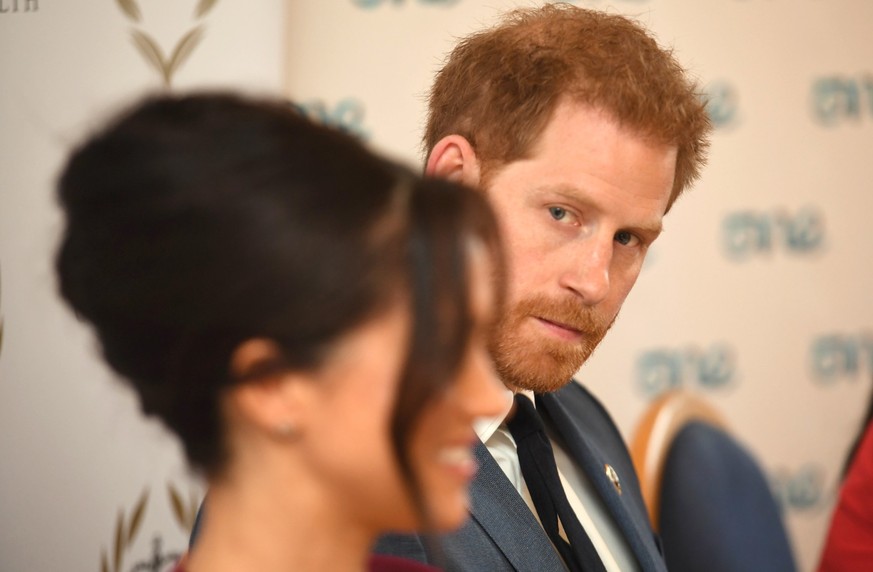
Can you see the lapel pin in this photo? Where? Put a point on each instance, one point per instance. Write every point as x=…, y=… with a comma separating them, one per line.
x=613, y=477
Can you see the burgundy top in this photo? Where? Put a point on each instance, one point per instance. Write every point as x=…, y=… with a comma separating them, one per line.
x=377, y=563
x=849, y=544
x=384, y=563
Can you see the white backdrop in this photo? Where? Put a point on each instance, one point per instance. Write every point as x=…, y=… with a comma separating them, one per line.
x=756, y=295
x=76, y=455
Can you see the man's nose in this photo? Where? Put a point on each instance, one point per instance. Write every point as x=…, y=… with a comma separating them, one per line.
x=586, y=269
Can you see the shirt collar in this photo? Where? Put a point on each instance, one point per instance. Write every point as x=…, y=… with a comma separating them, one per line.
x=486, y=426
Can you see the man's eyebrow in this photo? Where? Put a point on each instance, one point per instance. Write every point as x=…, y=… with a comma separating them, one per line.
x=570, y=192
x=654, y=229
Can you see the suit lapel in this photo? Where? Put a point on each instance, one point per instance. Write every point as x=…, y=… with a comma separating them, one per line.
x=512, y=526
x=591, y=461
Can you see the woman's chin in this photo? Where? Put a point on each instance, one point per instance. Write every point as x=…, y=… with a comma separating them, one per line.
x=450, y=515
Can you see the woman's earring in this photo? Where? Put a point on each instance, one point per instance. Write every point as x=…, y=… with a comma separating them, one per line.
x=286, y=430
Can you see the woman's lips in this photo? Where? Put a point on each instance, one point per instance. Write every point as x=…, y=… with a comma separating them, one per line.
x=458, y=459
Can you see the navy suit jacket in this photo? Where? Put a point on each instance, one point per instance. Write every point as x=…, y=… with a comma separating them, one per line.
x=503, y=534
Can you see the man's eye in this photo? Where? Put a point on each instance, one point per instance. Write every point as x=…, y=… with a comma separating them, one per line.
x=557, y=213
x=624, y=237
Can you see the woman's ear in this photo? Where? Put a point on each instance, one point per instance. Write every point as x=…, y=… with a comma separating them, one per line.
x=271, y=397
x=453, y=158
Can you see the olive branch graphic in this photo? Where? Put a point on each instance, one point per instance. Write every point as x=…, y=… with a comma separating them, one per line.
x=185, y=513
x=165, y=65
x=125, y=534
x=126, y=528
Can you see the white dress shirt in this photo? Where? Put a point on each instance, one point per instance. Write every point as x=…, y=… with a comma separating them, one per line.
x=591, y=511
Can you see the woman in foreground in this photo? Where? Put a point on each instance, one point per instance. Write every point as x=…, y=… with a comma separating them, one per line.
x=309, y=320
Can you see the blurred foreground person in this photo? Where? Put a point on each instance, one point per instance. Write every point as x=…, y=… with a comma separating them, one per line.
x=309, y=320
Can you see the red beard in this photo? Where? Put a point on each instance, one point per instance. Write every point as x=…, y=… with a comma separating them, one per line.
x=542, y=363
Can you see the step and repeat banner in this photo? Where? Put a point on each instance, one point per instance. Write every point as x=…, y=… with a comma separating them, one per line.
x=757, y=296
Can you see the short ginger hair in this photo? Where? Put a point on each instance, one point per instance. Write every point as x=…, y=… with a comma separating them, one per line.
x=499, y=87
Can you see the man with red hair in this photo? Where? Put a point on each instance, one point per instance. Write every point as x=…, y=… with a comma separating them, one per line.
x=582, y=132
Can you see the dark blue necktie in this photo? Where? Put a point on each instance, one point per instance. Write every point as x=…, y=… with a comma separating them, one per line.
x=537, y=461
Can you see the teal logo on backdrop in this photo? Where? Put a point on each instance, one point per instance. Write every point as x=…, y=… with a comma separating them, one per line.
x=722, y=104
x=799, y=490
x=747, y=233
x=366, y=4
x=346, y=115
x=838, y=99
x=18, y=6
x=663, y=369
x=841, y=356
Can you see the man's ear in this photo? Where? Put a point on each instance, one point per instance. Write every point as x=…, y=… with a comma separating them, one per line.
x=270, y=397
x=453, y=158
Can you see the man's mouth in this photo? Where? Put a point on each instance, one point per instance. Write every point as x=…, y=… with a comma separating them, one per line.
x=564, y=331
